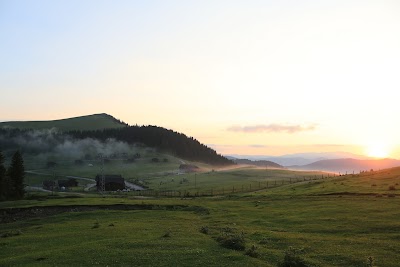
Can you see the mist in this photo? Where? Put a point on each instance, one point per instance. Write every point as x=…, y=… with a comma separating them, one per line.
x=43, y=143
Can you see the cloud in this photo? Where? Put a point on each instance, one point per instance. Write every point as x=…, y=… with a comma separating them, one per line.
x=272, y=128
x=258, y=146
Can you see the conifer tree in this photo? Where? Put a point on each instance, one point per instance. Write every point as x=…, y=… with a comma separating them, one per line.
x=16, y=173
x=3, y=184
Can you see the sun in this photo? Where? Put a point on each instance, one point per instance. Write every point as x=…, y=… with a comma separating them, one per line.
x=377, y=150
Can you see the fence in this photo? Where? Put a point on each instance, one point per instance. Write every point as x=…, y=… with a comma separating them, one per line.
x=221, y=191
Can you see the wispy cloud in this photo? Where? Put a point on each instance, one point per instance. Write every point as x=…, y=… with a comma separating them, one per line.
x=258, y=146
x=272, y=128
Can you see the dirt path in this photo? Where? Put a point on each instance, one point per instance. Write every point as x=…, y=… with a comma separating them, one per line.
x=134, y=186
x=66, y=176
x=36, y=188
x=88, y=186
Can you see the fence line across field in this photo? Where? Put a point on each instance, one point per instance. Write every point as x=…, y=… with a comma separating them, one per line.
x=244, y=188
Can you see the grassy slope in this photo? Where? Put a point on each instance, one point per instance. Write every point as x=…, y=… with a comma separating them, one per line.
x=333, y=230
x=90, y=122
x=159, y=176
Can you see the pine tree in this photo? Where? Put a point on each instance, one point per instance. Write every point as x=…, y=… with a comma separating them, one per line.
x=16, y=173
x=3, y=184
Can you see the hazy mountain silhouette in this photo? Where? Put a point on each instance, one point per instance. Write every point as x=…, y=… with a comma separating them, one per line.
x=302, y=158
x=349, y=165
x=260, y=163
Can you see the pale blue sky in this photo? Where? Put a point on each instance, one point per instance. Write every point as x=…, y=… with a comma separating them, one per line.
x=326, y=68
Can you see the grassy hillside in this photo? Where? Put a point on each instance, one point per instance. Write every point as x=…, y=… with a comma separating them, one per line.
x=339, y=221
x=90, y=122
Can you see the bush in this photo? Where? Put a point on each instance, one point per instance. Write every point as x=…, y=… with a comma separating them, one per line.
x=204, y=230
x=167, y=234
x=96, y=225
x=10, y=234
x=293, y=259
x=392, y=188
x=252, y=252
x=371, y=261
x=230, y=239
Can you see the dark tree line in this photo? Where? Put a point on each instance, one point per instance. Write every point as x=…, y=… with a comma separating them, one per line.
x=163, y=139
x=12, y=179
x=177, y=144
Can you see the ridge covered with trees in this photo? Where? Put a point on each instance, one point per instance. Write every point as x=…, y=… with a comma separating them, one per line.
x=163, y=139
x=37, y=137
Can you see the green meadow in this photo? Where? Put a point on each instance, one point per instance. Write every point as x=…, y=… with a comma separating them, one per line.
x=337, y=221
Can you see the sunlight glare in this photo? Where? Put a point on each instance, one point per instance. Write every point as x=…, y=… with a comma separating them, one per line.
x=377, y=150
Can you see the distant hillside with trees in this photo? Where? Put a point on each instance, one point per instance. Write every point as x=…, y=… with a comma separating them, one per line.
x=44, y=136
x=165, y=140
x=260, y=163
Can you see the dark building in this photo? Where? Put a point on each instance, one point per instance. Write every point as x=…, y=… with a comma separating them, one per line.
x=49, y=184
x=67, y=183
x=112, y=182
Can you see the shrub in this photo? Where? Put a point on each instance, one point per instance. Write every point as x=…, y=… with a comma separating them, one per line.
x=231, y=240
x=370, y=261
x=293, y=259
x=167, y=234
x=96, y=225
x=392, y=188
x=252, y=252
x=204, y=230
x=10, y=234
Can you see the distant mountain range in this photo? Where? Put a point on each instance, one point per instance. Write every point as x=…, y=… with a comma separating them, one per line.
x=260, y=163
x=332, y=162
x=301, y=158
x=349, y=165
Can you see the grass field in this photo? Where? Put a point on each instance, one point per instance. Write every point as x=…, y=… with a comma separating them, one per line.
x=338, y=221
x=165, y=176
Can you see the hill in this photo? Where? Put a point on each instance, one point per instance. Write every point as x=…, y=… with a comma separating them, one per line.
x=100, y=133
x=302, y=158
x=260, y=163
x=89, y=122
x=165, y=140
x=349, y=165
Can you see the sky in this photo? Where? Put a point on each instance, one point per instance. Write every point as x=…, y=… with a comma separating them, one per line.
x=244, y=77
